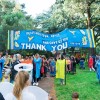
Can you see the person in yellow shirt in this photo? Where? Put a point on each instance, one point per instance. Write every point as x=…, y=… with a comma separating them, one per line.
x=60, y=69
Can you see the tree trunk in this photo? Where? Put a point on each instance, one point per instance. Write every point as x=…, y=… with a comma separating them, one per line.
x=89, y=16
x=89, y=22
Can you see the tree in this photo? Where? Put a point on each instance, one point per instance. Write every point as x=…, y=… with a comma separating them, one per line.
x=92, y=10
x=12, y=17
x=70, y=14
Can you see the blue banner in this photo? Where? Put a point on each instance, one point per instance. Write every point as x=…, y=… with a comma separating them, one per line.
x=31, y=39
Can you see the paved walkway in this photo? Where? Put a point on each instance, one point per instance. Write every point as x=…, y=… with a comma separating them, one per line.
x=48, y=85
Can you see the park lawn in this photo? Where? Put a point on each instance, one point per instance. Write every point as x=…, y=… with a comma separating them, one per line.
x=84, y=82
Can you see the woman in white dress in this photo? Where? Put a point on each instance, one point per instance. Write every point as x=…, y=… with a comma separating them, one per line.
x=21, y=81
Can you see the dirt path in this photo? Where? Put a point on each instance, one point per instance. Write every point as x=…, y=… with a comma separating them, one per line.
x=48, y=85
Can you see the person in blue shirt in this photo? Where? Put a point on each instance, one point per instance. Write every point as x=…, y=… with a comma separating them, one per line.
x=37, y=61
x=82, y=61
x=1, y=65
x=52, y=67
x=98, y=68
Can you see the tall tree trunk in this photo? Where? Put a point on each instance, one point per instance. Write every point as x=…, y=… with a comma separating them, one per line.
x=89, y=22
x=89, y=16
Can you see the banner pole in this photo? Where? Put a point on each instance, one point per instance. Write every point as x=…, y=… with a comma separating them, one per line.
x=8, y=41
x=65, y=71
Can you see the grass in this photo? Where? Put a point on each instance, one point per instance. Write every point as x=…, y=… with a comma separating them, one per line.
x=84, y=82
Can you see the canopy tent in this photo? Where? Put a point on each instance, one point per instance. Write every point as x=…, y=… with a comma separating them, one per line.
x=31, y=39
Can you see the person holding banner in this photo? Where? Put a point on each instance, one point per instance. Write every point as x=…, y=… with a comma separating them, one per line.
x=60, y=69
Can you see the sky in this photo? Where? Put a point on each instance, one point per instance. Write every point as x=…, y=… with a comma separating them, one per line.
x=35, y=7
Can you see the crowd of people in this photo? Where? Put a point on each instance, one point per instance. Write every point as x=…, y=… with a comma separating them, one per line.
x=56, y=67
x=42, y=65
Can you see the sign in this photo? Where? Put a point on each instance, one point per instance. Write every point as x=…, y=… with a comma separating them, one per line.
x=31, y=39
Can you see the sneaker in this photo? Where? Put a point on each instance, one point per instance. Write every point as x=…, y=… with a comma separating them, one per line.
x=37, y=84
x=63, y=83
x=34, y=84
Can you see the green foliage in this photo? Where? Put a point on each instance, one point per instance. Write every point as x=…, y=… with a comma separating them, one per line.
x=67, y=14
x=12, y=18
x=84, y=82
x=98, y=48
x=70, y=14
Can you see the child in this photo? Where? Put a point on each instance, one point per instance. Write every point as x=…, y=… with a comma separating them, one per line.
x=75, y=96
x=90, y=63
x=52, y=67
